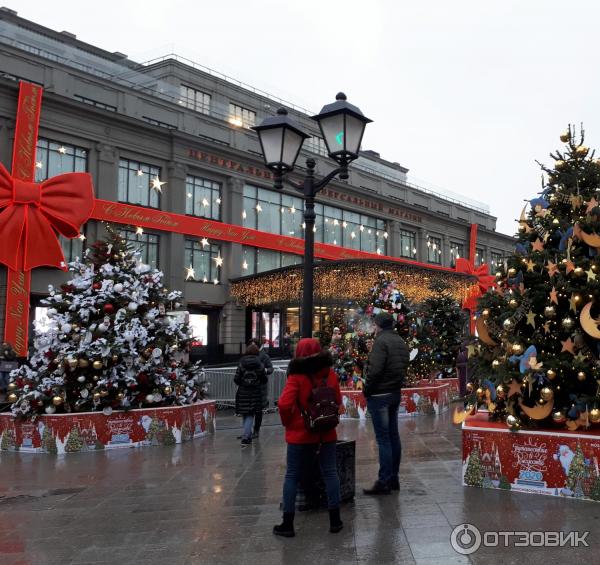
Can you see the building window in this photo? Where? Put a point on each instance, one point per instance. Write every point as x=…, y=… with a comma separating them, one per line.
x=271, y=211
x=495, y=259
x=316, y=144
x=136, y=182
x=434, y=250
x=205, y=261
x=95, y=103
x=53, y=158
x=256, y=260
x=479, y=256
x=195, y=99
x=408, y=244
x=145, y=244
x=457, y=250
x=203, y=198
x=240, y=116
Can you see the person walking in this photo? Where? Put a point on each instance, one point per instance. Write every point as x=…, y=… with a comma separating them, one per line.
x=462, y=367
x=309, y=369
x=264, y=358
x=249, y=377
x=386, y=369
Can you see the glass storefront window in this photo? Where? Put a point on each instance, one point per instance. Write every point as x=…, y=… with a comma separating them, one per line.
x=146, y=244
x=135, y=183
x=256, y=260
x=434, y=250
x=41, y=321
x=203, y=198
x=408, y=244
x=199, y=326
x=457, y=250
x=204, y=260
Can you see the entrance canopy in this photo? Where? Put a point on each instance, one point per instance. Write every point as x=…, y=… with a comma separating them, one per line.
x=345, y=281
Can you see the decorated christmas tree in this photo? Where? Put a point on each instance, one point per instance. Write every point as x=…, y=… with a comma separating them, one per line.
x=111, y=343
x=474, y=472
x=538, y=327
x=577, y=471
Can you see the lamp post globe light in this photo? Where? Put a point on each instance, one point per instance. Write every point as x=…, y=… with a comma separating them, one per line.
x=342, y=125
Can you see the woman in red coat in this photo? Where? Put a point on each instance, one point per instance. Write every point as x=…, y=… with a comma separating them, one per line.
x=309, y=367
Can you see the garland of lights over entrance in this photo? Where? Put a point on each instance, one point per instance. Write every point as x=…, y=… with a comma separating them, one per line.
x=345, y=281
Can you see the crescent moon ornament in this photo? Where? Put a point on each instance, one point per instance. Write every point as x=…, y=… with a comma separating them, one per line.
x=592, y=239
x=538, y=412
x=482, y=332
x=589, y=324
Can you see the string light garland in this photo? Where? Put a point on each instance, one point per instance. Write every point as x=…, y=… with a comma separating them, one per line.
x=343, y=281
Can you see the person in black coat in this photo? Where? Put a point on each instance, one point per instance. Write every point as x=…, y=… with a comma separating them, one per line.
x=264, y=358
x=249, y=377
x=387, y=365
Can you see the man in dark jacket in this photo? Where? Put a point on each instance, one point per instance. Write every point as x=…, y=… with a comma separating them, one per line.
x=388, y=361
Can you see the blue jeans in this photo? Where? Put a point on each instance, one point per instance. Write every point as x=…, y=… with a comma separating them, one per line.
x=297, y=454
x=247, y=422
x=384, y=415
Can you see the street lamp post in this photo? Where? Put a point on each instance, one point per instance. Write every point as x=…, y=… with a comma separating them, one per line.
x=342, y=126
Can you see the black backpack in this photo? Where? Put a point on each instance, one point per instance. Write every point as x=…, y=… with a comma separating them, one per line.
x=323, y=411
x=251, y=377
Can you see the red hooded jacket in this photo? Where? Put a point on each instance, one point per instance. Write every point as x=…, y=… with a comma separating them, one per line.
x=310, y=364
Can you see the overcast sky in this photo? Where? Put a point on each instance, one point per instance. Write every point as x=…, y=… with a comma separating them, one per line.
x=466, y=94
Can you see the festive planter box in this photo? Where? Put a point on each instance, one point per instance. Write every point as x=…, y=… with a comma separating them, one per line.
x=87, y=431
x=551, y=462
x=432, y=398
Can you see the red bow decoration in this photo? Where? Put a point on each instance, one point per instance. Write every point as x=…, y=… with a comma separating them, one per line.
x=34, y=212
x=484, y=278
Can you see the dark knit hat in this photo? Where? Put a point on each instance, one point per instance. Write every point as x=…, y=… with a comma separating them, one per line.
x=384, y=320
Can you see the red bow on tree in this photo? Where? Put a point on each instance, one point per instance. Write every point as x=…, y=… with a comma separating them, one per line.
x=484, y=278
x=33, y=213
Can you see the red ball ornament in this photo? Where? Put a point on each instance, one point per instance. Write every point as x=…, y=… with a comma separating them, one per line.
x=97, y=286
x=173, y=364
x=132, y=385
x=173, y=376
x=108, y=308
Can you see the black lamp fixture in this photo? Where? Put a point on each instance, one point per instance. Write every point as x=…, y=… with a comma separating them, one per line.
x=342, y=125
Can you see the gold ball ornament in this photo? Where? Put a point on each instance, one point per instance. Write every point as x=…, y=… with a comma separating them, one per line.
x=103, y=393
x=578, y=271
x=581, y=151
x=581, y=376
x=500, y=390
x=594, y=415
x=485, y=313
x=546, y=393
x=549, y=311
x=551, y=374
x=168, y=390
x=498, y=275
x=72, y=362
x=96, y=396
x=147, y=352
x=559, y=164
x=469, y=387
x=517, y=348
x=97, y=364
x=556, y=221
x=495, y=364
x=565, y=136
x=12, y=386
x=57, y=400
x=83, y=363
x=479, y=392
x=513, y=422
x=512, y=272
x=508, y=324
x=115, y=358
x=568, y=323
x=559, y=417
x=120, y=396
x=12, y=397
x=513, y=302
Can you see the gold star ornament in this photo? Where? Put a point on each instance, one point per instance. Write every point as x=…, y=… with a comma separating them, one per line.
x=531, y=318
x=554, y=296
x=552, y=268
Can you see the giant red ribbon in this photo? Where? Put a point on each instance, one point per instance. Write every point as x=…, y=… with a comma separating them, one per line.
x=482, y=273
x=32, y=214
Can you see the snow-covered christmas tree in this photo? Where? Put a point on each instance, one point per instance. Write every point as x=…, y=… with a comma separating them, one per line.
x=111, y=343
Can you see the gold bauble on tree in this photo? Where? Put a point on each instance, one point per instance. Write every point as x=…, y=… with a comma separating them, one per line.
x=512, y=272
x=581, y=151
x=495, y=364
x=72, y=362
x=96, y=396
x=513, y=422
x=517, y=348
x=479, y=392
x=581, y=376
x=498, y=275
x=578, y=272
x=12, y=397
x=559, y=417
x=559, y=164
x=57, y=400
x=167, y=390
x=469, y=387
x=485, y=313
x=551, y=374
x=565, y=136
x=508, y=324
x=12, y=386
x=115, y=358
x=83, y=363
x=546, y=393
x=97, y=364
x=549, y=311
x=594, y=415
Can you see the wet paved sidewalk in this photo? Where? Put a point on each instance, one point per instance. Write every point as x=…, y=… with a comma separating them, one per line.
x=210, y=502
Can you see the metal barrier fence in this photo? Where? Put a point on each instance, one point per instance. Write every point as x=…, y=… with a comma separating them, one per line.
x=221, y=387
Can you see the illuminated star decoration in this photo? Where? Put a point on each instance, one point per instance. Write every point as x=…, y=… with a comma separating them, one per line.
x=538, y=245
x=573, y=303
x=591, y=276
x=554, y=296
x=204, y=242
x=530, y=266
x=216, y=281
x=81, y=237
x=157, y=184
x=531, y=318
x=218, y=260
x=568, y=346
x=139, y=230
x=38, y=164
x=62, y=150
x=140, y=173
x=204, y=202
x=591, y=205
x=580, y=357
x=245, y=265
x=190, y=273
x=552, y=268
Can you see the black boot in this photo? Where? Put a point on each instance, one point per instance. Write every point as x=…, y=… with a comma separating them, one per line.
x=377, y=488
x=395, y=484
x=286, y=528
x=335, y=523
